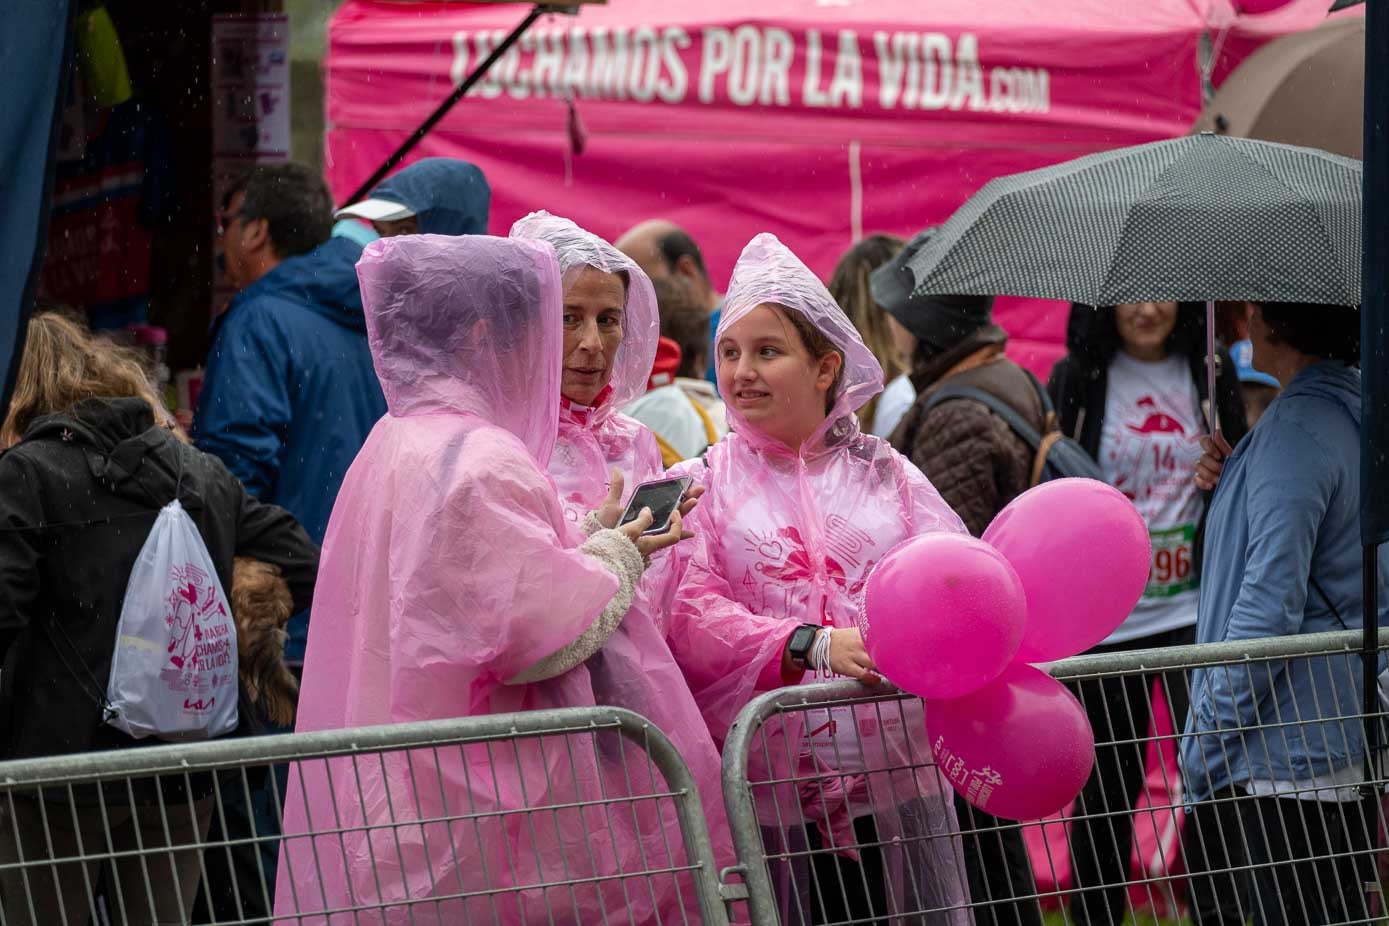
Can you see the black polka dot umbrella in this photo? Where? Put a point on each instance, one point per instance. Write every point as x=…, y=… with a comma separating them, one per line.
x=1204, y=217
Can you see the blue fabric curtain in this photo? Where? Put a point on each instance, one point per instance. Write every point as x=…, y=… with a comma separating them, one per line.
x=35, y=53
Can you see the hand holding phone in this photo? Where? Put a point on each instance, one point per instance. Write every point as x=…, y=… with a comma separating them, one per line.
x=662, y=496
x=647, y=543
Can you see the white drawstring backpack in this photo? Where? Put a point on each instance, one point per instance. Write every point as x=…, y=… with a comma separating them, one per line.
x=174, y=669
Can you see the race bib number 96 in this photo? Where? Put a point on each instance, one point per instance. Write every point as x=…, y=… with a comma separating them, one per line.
x=1171, y=572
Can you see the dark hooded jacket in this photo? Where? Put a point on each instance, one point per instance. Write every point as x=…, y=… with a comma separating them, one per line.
x=971, y=455
x=290, y=393
x=79, y=495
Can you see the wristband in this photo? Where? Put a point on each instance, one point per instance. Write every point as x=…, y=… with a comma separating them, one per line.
x=820, y=651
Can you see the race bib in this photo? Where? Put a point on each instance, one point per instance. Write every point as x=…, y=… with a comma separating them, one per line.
x=1171, y=572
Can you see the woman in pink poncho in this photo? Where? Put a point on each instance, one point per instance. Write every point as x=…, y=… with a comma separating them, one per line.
x=799, y=506
x=611, y=327
x=452, y=584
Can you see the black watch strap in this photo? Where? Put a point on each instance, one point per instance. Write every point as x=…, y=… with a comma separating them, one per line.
x=802, y=640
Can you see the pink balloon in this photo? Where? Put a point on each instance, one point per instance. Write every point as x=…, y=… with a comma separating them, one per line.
x=1020, y=748
x=943, y=615
x=1255, y=7
x=1082, y=553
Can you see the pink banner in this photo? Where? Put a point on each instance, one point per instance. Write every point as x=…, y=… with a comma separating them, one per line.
x=818, y=120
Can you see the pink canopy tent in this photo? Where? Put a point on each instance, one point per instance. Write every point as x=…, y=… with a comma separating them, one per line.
x=818, y=120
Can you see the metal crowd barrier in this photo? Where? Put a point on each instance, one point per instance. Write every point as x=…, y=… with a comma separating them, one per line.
x=884, y=839
x=120, y=837
x=863, y=829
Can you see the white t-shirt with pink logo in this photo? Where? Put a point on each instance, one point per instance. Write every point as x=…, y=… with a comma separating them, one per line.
x=1148, y=450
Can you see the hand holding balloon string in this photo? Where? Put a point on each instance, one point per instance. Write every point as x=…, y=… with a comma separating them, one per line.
x=841, y=650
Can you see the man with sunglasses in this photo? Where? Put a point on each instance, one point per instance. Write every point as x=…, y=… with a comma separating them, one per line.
x=290, y=393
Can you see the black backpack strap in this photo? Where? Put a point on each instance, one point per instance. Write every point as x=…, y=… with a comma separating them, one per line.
x=1042, y=397
x=994, y=404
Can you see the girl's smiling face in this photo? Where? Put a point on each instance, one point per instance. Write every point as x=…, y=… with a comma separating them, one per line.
x=768, y=375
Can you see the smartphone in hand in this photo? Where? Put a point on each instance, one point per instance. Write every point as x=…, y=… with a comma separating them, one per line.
x=662, y=496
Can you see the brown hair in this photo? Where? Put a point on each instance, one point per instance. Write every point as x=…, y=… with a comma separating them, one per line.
x=819, y=346
x=685, y=322
x=65, y=363
x=849, y=287
x=1330, y=332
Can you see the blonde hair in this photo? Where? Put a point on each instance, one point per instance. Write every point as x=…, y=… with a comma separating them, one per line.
x=65, y=363
x=850, y=288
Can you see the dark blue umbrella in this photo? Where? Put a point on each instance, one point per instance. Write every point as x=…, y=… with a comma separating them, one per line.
x=1204, y=217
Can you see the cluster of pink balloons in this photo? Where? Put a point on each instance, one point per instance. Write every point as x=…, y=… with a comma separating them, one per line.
x=958, y=621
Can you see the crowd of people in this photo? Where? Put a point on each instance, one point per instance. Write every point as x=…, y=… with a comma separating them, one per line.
x=431, y=439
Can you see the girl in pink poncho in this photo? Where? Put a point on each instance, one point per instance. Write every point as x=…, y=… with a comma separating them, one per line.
x=611, y=327
x=799, y=507
x=452, y=584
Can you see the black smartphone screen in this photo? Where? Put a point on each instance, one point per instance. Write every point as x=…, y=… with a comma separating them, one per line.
x=662, y=497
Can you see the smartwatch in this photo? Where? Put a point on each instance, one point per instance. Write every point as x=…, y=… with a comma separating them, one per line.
x=802, y=639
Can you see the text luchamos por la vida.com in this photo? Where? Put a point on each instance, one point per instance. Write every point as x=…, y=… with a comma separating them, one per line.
x=754, y=65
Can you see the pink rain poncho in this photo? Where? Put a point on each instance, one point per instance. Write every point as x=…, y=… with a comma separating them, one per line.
x=448, y=568
x=595, y=441
x=784, y=538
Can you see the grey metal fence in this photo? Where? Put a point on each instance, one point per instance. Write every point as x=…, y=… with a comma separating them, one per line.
x=860, y=826
x=838, y=812
x=123, y=837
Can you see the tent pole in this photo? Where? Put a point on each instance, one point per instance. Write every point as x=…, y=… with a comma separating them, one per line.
x=458, y=93
x=1212, y=415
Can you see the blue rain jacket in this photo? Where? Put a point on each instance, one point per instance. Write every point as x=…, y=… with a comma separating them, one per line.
x=290, y=393
x=1286, y=508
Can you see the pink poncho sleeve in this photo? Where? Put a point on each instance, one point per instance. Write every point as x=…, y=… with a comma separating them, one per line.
x=490, y=550
x=727, y=652
x=928, y=509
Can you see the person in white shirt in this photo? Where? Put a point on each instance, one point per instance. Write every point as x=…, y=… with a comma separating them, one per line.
x=1132, y=391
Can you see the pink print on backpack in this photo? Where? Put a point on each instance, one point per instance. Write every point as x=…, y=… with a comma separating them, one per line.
x=200, y=649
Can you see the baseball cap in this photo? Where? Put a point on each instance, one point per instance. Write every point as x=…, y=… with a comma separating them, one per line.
x=939, y=322
x=375, y=210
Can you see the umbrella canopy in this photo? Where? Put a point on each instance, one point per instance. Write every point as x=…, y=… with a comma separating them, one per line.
x=1197, y=218
x=1307, y=88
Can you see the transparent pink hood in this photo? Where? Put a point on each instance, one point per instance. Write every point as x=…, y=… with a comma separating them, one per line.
x=468, y=324
x=576, y=249
x=767, y=272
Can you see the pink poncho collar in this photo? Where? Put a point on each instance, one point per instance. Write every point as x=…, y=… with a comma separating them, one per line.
x=576, y=249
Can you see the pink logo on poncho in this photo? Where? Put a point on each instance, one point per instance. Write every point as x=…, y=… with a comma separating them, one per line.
x=786, y=557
